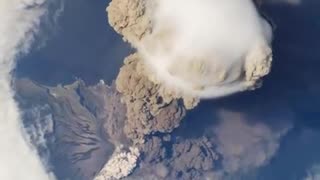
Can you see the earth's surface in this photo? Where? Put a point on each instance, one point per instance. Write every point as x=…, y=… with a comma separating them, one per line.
x=68, y=94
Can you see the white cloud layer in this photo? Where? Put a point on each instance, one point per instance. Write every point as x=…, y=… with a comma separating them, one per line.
x=207, y=48
x=313, y=173
x=19, y=20
x=39, y=126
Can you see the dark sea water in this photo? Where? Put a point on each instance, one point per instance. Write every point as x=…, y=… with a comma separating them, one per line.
x=84, y=46
x=81, y=45
x=290, y=94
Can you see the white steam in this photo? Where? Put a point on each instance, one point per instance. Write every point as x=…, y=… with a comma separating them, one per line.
x=19, y=20
x=120, y=165
x=205, y=47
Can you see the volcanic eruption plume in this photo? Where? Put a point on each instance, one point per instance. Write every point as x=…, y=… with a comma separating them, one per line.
x=207, y=48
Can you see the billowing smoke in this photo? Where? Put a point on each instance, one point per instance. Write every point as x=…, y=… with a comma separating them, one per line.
x=120, y=165
x=207, y=48
x=244, y=145
x=19, y=21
